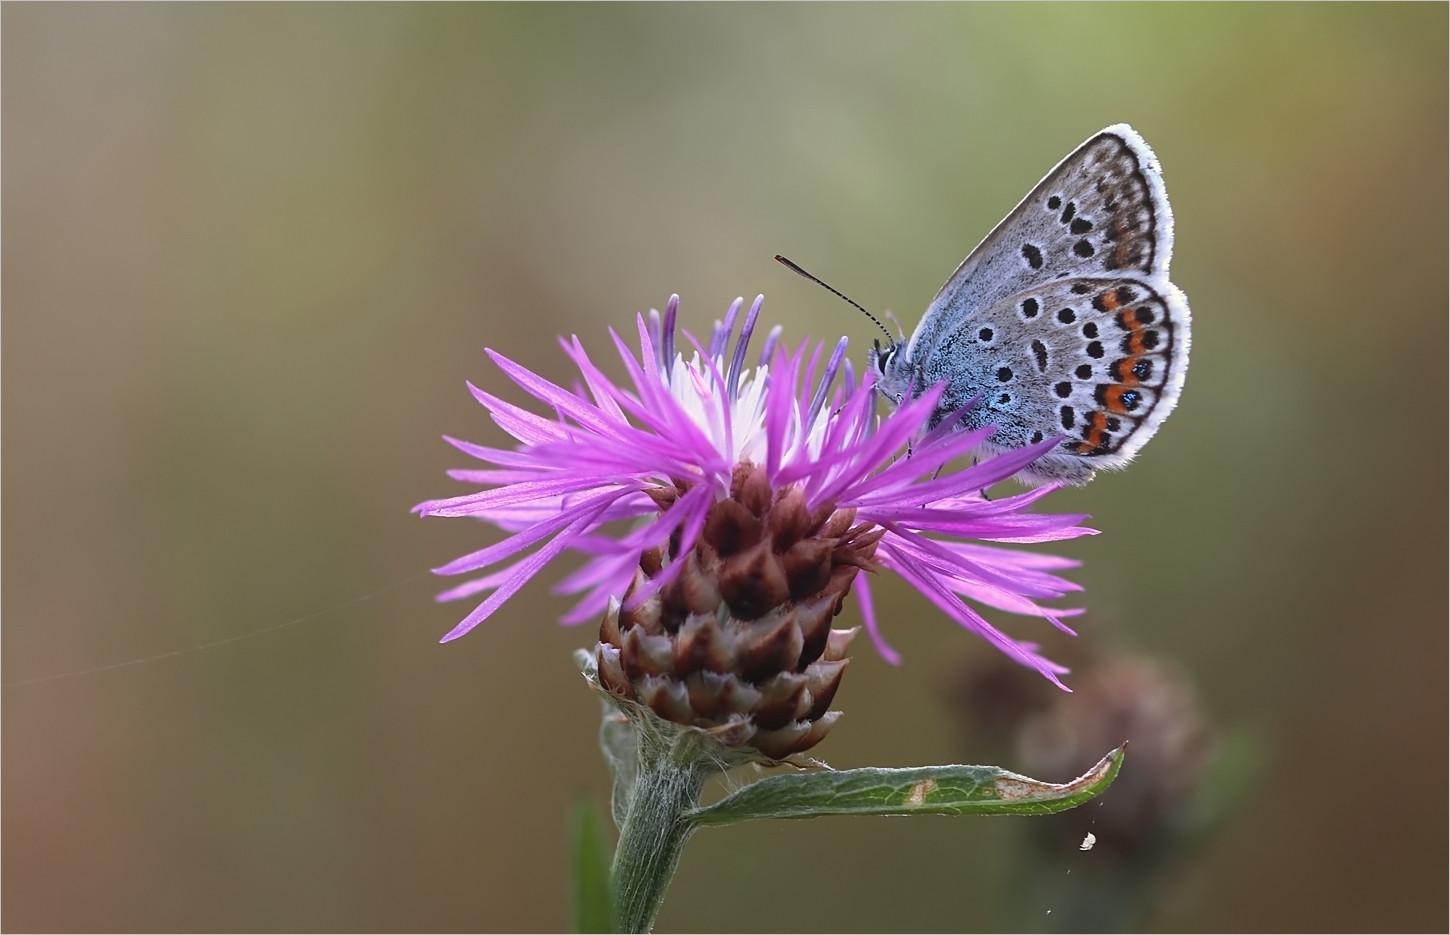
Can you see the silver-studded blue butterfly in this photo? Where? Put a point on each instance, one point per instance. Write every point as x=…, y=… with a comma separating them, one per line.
x=1062, y=321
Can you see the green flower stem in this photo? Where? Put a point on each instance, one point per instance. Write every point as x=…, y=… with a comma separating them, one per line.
x=667, y=787
x=660, y=770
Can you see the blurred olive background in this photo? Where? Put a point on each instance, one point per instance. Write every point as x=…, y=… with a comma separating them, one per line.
x=251, y=254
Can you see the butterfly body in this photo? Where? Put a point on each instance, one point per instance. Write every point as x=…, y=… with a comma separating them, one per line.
x=1063, y=321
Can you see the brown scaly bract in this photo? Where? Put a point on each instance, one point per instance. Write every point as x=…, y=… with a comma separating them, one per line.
x=741, y=637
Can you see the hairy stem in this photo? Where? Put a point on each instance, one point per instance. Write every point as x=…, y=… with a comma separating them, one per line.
x=672, y=774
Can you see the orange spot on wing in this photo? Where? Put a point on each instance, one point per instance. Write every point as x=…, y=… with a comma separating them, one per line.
x=1097, y=425
x=1109, y=300
x=1113, y=399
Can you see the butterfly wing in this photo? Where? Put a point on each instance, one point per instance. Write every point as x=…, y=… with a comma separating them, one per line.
x=1102, y=211
x=1063, y=320
x=1098, y=360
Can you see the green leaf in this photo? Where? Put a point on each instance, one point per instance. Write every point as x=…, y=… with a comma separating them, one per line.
x=591, y=899
x=927, y=790
x=621, y=751
x=617, y=740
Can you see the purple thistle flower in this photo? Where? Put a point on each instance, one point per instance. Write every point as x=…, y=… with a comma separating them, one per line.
x=661, y=452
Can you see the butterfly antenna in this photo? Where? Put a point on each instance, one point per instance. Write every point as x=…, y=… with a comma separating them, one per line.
x=800, y=272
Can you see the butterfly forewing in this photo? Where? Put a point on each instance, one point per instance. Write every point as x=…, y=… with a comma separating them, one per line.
x=1101, y=211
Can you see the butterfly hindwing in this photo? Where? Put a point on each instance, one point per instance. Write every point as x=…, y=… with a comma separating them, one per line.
x=1099, y=361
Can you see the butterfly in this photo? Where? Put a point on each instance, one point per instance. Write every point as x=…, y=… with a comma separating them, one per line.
x=1062, y=322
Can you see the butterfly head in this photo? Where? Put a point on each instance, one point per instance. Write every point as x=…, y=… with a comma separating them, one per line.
x=890, y=369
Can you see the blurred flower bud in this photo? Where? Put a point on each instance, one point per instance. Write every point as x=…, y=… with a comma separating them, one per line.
x=1124, y=698
x=1116, y=697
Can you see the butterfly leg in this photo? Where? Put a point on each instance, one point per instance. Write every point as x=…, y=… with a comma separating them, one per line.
x=982, y=492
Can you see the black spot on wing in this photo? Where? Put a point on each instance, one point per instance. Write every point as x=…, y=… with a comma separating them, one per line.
x=1039, y=350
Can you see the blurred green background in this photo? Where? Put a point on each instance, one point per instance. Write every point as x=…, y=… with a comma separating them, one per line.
x=251, y=253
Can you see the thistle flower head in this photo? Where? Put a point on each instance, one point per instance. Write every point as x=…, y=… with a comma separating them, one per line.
x=726, y=510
